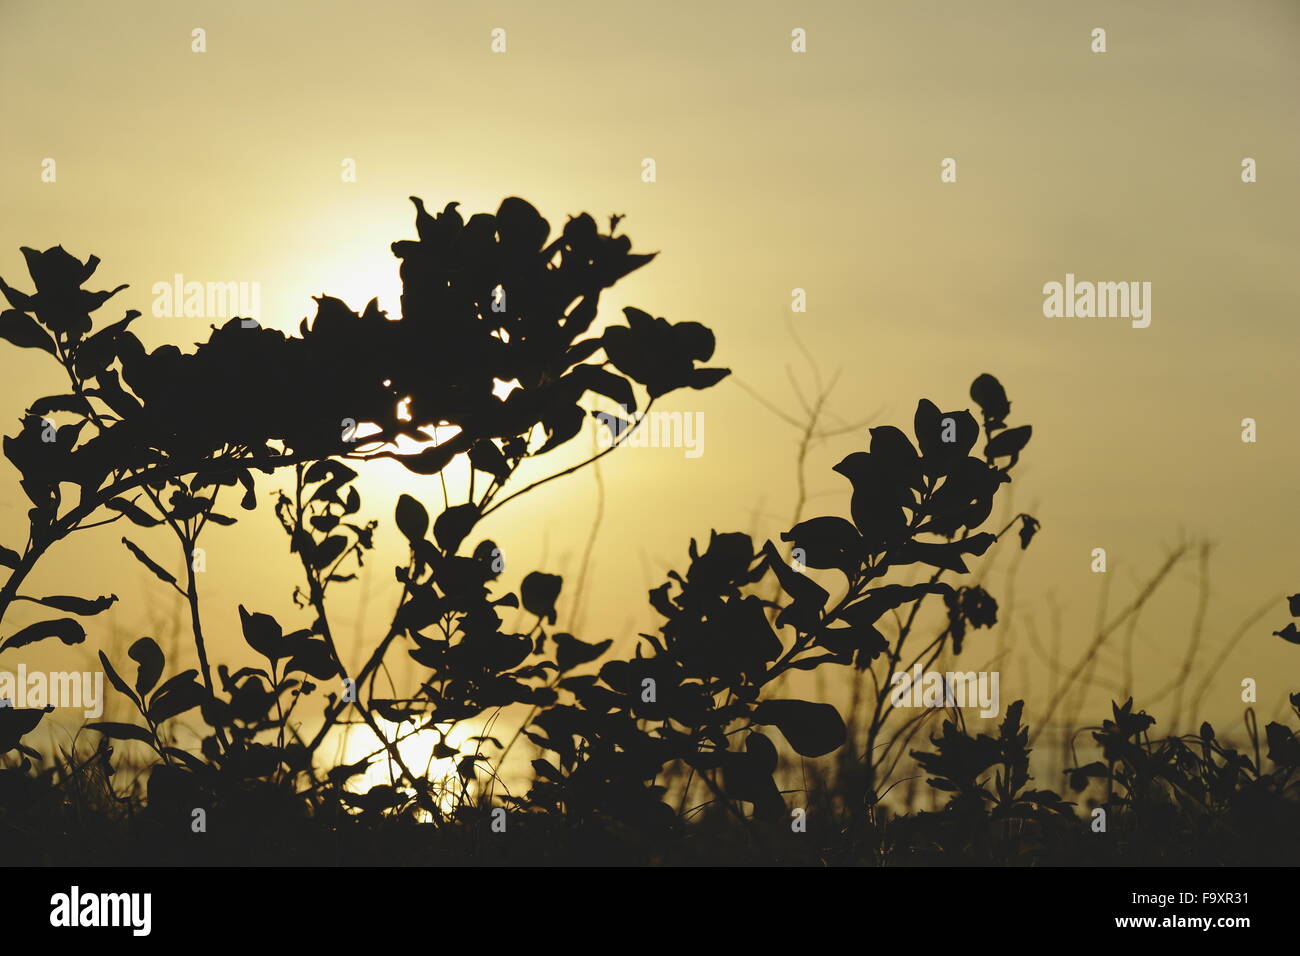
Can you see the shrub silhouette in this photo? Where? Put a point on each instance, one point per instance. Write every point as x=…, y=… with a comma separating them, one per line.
x=704, y=678
x=153, y=438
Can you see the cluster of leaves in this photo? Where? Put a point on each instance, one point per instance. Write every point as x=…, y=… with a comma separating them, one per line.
x=154, y=437
x=494, y=300
x=1194, y=799
x=699, y=693
x=703, y=681
x=980, y=807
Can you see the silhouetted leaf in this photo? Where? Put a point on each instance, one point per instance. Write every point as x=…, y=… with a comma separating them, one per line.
x=115, y=679
x=947, y=556
x=120, y=731
x=812, y=729
x=661, y=355
x=149, y=563
x=808, y=598
x=451, y=527
x=880, y=492
x=829, y=542
x=881, y=600
x=1079, y=775
x=328, y=551
x=602, y=381
x=22, y=330
x=896, y=457
x=1283, y=745
x=19, y=300
x=77, y=605
x=61, y=403
x=431, y=460
x=991, y=397
x=314, y=658
x=16, y=723
x=465, y=766
x=1289, y=633
x=176, y=697
x=486, y=456
x=412, y=518
x=263, y=634
x=333, y=475
x=1028, y=528
x=344, y=772
x=1009, y=442
x=133, y=512
x=539, y=593
x=860, y=644
x=375, y=800
x=945, y=438
x=149, y=656
x=65, y=629
x=570, y=652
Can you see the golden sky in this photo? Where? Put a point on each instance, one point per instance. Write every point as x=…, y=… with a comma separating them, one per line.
x=775, y=170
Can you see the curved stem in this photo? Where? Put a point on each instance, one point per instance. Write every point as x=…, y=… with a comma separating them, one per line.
x=580, y=465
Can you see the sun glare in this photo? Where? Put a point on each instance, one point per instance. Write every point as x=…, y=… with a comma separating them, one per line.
x=418, y=752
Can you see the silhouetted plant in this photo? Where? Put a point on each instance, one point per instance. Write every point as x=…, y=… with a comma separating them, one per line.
x=701, y=681
x=489, y=301
x=493, y=358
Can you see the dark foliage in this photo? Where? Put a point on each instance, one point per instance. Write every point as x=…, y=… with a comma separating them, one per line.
x=153, y=438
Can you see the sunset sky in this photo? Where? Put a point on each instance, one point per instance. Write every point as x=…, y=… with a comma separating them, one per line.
x=775, y=170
